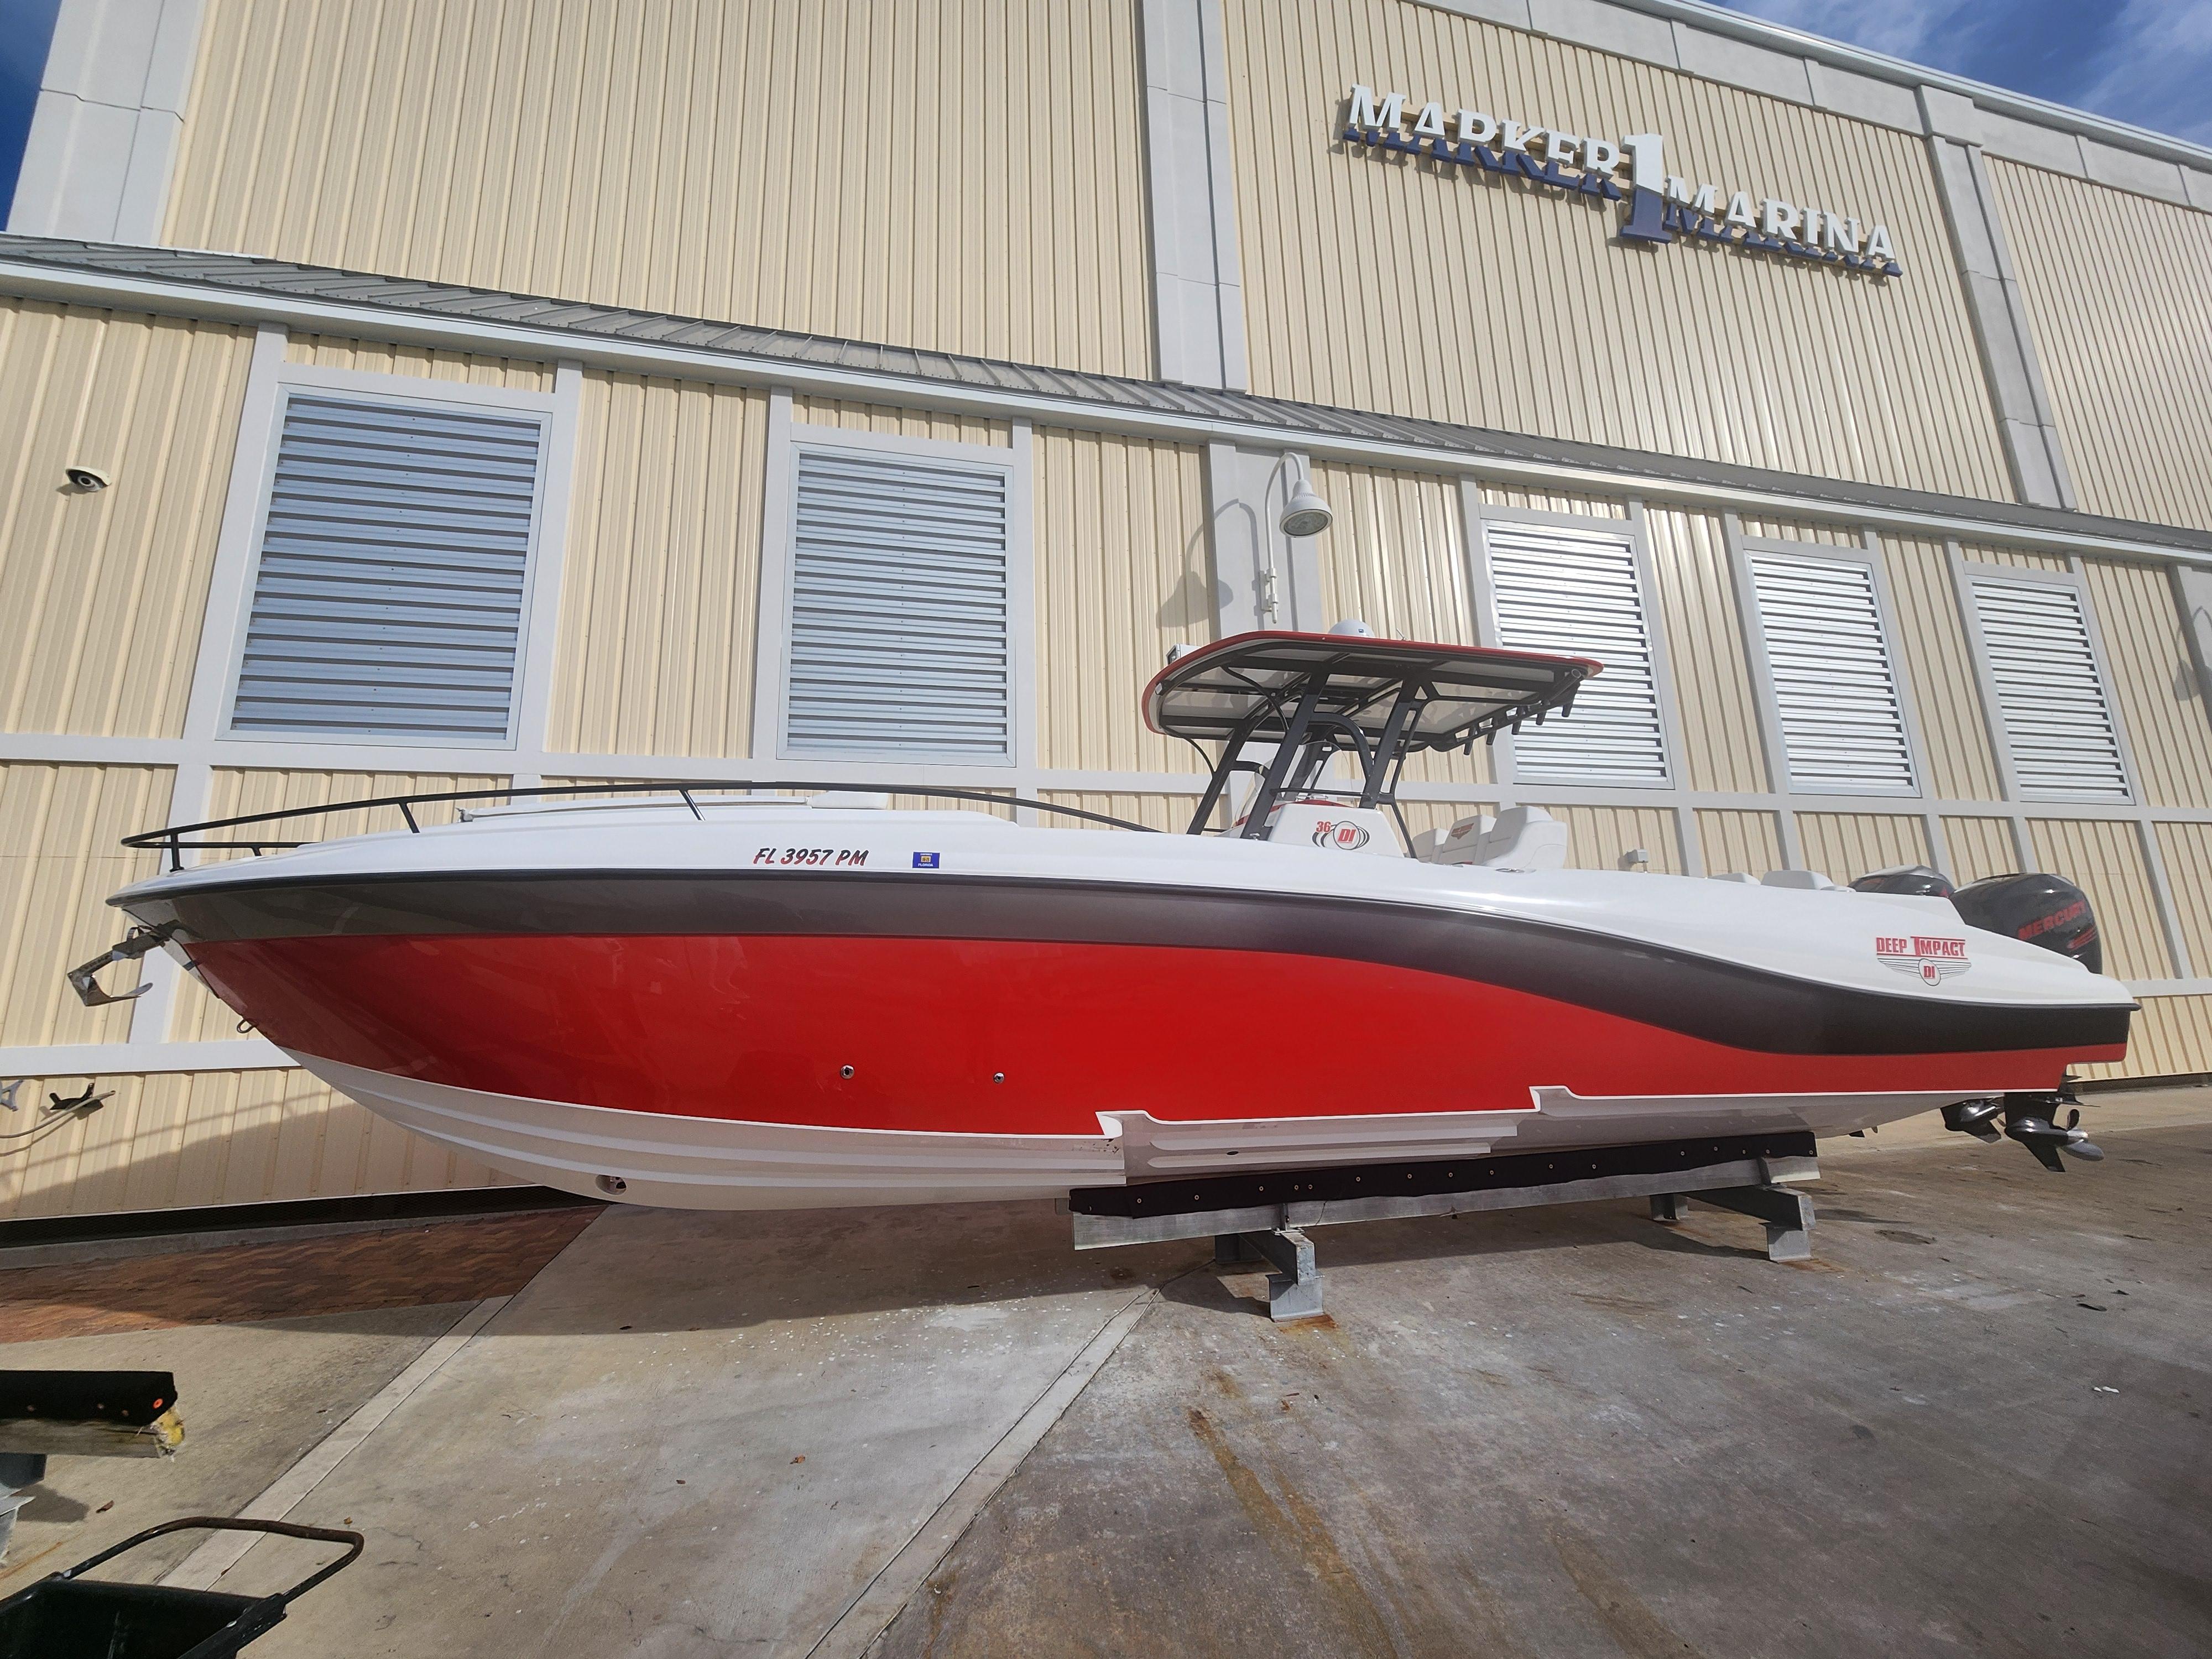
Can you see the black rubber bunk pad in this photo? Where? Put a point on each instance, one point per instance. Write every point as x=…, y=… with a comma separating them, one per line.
x=135, y=1398
x=1428, y=1178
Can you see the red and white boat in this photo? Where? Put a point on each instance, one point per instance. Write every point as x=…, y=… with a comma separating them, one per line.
x=752, y=1001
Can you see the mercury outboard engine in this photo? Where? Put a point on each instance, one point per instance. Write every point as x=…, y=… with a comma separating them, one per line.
x=1909, y=880
x=2046, y=910
x=2052, y=912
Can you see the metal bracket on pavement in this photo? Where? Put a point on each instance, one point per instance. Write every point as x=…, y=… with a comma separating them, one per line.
x=1746, y=1174
x=1788, y=1215
x=1294, y=1289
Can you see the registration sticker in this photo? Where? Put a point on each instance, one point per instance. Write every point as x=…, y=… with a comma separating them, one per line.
x=924, y=860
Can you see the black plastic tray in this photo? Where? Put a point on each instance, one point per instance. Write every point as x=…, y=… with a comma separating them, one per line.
x=68, y=1617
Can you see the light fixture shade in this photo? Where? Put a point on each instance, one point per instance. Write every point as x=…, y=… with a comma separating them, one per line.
x=1305, y=514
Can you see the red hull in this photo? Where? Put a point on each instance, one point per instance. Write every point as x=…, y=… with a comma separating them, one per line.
x=760, y=1028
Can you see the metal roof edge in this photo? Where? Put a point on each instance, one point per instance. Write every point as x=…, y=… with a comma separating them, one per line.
x=246, y=288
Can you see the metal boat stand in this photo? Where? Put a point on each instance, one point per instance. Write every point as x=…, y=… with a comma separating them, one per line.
x=1264, y=1217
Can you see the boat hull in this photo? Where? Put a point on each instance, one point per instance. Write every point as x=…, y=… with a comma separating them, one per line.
x=683, y=1162
x=974, y=1010
x=999, y=1036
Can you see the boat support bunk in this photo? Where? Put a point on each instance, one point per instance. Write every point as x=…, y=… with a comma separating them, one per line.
x=1263, y=1217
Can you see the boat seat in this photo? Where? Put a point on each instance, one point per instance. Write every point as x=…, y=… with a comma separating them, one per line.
x=1456, y=845
x=1518, y=838
x=1809, y=880
x=1523, y=838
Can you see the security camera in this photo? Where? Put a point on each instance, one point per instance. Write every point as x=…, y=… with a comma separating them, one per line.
x=87, y=478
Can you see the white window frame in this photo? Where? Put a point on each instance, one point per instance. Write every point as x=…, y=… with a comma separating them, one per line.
x=787, y=437
x=1967, y=572
x=260, y=438
x=1869, y=556
x=1480, y=513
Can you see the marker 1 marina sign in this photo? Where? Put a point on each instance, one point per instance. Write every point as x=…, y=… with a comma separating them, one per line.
x=1660, y=206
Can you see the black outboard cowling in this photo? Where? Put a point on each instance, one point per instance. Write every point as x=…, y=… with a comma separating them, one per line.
x=1912, y=880
x=2046, y=910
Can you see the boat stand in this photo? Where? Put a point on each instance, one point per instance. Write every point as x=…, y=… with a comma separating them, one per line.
x=1263, y=1217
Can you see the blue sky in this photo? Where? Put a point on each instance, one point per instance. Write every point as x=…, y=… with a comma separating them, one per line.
x=2148, y=62
x=25, y=28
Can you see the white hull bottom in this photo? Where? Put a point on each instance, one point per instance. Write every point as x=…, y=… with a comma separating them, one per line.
x=718, y=1163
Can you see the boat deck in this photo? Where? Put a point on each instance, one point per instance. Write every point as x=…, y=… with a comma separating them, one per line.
x=1975, y=1419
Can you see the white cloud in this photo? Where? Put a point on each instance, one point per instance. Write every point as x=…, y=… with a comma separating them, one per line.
x=2146, y=62
x=1918, y=31
x=2155, y=67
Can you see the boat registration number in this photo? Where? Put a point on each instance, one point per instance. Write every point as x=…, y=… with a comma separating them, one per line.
x=845, y=857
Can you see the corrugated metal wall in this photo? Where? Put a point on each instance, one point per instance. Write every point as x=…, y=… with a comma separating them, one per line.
x=2105, y=861
x=1124, y=570
x=2146, y=659
x=1800, y=530
x=901, y=423
x=2119, y=296
x=104, y=593
x=1704, y=647
x=197, y=1017
x=1601, y=834
x=1978, y=848
x=1167, y=813
x=2170, y=1038
x=941, y=174
x=59, y=862
x=1746, y=841
x=2186, y=849
x=662, y=578
x=1393, y=285
x=183, y=1139
x=1955, y=733
x=418, y=362
x=1545, y=501
x=1845, y=846
x=2014, y=557
x=1395, y=558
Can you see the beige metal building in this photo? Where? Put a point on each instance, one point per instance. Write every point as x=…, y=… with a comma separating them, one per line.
x=1856, y=415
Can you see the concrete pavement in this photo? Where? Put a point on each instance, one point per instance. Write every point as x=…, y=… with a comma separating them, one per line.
x=1973, y=1422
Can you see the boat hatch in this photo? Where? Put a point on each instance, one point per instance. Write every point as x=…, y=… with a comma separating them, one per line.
x=1316, y=696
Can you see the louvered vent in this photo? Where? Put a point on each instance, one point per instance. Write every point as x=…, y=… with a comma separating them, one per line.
x=1843, y=722
x=898, y=608
x=389, y=597
x=1576, y=593
x=2058, y=722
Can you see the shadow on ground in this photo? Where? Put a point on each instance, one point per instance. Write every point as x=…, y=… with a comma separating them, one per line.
x=1974, y=1422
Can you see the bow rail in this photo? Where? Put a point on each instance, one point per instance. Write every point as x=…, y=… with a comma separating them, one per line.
x=174, y=840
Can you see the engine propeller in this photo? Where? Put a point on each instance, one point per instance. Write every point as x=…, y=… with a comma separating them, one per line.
x=1977, y=1118
x=2030, y=1121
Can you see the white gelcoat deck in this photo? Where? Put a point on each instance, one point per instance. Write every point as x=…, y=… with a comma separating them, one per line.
x=1825, y=938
